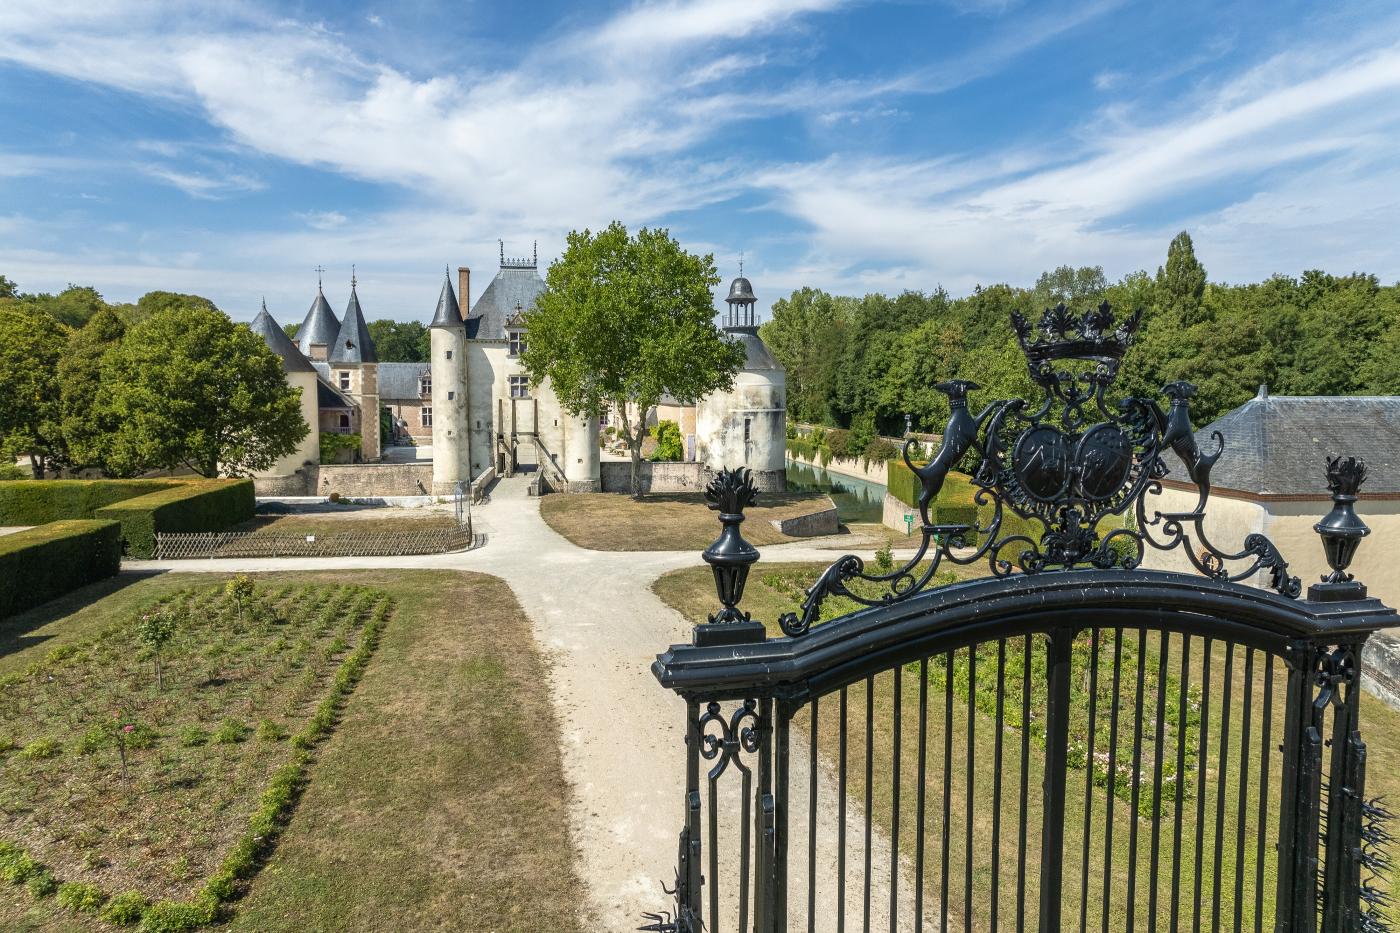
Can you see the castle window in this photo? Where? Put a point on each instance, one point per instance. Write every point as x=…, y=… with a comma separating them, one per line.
x=519, y=387
x=746, y=430
x=344, y=379
x=425, y=415
x=344, y=422
x=517, y=343
x=449, y=354
x=425, y=385
x=451, y=396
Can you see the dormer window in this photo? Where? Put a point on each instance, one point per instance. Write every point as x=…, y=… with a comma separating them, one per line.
x=517, y=342
x=344, y=379
x=425, y=385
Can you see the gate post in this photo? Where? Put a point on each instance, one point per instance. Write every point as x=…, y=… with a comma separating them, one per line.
x=1052, y=837
x=1342, y=885
x=1300, y=797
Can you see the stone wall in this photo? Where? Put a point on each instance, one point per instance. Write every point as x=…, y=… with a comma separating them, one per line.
x=291, y=484
x=894, y=514
x=875, y=472
x=824, y=522
x=656, y=477
x=373, y=479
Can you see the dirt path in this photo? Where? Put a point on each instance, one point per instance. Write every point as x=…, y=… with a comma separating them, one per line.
x=622, y=736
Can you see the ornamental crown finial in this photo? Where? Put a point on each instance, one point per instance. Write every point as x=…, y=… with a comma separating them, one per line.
x=1063, y=335
x=1345, y=475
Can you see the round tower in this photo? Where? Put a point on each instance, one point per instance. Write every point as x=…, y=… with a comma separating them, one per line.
x=746, y=425
x=581, y=453
x=448, y=337
x=289, y=475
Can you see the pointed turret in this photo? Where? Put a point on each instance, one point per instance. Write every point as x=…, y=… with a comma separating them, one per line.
x=448, y=313
x=293, y=360
x=353, y=343
x=319, y=328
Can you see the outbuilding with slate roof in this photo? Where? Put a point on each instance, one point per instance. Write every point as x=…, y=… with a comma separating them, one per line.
x=1271, y=479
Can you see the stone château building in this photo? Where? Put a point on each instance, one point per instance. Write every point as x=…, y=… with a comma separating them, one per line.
x=472, y=401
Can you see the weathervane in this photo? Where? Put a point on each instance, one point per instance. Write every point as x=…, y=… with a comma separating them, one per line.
x=352, y=276
x=319, y=271
x=741, y=262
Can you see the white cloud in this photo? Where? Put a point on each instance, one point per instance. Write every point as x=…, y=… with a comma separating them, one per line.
x=205, y=186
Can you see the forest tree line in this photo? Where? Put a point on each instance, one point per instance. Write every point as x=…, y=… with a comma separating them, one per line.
x=863, y=363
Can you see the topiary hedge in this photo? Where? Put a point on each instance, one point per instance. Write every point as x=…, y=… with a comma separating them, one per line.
x=45, y=562
x=35, y=502
x=201, y=506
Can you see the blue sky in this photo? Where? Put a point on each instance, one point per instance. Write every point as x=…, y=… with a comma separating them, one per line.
x=229, y=148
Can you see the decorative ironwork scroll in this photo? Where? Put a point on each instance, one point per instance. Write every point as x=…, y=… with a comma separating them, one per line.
x=1068, y=463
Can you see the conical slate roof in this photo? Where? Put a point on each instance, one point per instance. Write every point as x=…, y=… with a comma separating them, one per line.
x=353, y=344
x=448, y=312
x=320, y=326
x=293, y=360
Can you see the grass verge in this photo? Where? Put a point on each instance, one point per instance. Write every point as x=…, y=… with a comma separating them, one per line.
x=675, y=522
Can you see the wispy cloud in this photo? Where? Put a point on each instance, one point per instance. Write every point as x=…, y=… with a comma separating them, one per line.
x=209, y=187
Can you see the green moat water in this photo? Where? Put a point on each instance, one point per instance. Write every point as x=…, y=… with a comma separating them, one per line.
x=857, y=500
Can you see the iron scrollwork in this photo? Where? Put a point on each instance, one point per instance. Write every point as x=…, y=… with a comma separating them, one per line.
x=1068, y=464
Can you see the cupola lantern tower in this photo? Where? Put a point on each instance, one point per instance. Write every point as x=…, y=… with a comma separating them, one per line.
x=741, y=303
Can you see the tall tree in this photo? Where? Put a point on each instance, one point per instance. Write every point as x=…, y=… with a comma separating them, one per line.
x=807, y=333
x=625, y=320
x=31, y=345
x=1074, y=287
x=85, y=430
x=8, y=289
x=74, y=306
x=1181, y=283
x=399, y=341
x=187, y=386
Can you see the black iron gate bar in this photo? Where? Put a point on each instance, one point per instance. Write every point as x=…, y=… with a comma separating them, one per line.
x=1067, y=463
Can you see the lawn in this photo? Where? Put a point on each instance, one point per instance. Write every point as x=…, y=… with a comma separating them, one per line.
x=359, y=522
x=1208, y=789
x=676, y=522
x=428, y=793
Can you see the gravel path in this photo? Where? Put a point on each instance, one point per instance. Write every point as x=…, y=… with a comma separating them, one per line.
x=600, y=626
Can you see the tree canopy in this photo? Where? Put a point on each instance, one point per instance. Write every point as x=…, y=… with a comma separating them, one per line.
x=626, y=320
x=187, y=386
x=31, y=419
x=400, y=341
x=849, y=359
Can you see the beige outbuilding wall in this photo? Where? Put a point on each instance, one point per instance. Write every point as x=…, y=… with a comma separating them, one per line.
x=1288, y=522
x=309, y=450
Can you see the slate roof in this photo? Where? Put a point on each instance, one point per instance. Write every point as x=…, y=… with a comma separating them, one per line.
x=741, y=292
x=320, y=324
x=353, y=343
x=512, y=285
x=1279, y=444
x=400, y=380
x=758, y=357
x=449, y=312
x=293, y=360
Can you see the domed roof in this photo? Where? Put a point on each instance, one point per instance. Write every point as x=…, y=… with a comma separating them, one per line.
x=757, y=356
x=741, y=292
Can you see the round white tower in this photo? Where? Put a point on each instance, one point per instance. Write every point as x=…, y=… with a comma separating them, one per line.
x=289, y=475
x=747, y=425
x=581, y=453
x=448, y=336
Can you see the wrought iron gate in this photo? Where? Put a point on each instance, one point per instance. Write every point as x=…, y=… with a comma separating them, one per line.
x=1104, y=748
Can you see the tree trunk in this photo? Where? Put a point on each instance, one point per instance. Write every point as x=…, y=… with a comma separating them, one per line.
x=633, y=435
x=36, y=465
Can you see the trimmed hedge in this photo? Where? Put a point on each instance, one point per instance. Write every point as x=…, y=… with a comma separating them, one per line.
x=202, y=506
x=45, y=562
x=35, y=502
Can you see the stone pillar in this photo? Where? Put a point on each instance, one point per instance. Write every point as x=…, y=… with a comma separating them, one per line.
x=451, y=454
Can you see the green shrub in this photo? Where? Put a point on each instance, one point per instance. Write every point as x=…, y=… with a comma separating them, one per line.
x=40, y=749
x=26, y=502
x=230, y=732
x=125, y=909
x=332, y=445
x=175, y=917
x=957, y=513
x=95, y=739
x=15, y=864
x=42, y=883
x=194, y=736
x=211, y=505
x=838, y=443
x=901, y=483
x=45, y=562
x=141, y=736
x=670, y=446
x=269, y=731
x=81, y=896
x=11, y=472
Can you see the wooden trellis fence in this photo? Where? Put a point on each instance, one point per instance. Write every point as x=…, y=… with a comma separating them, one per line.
x=342, y=544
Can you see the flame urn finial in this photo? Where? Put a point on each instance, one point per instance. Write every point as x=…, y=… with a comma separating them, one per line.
x=730, y=557
x=1341, y=531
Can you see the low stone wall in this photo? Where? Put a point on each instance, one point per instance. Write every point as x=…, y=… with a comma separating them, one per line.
x=895, y=512
x=374, y=479
x=875, y=472
x=687, y=476
x=483, y=482
x=292, y=484
x=811, y=525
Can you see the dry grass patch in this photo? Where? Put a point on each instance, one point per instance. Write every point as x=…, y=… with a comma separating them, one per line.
x=361, y=522
x=676, y=522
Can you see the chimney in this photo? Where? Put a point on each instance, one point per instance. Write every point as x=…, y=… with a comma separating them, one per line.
x=464, y=287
